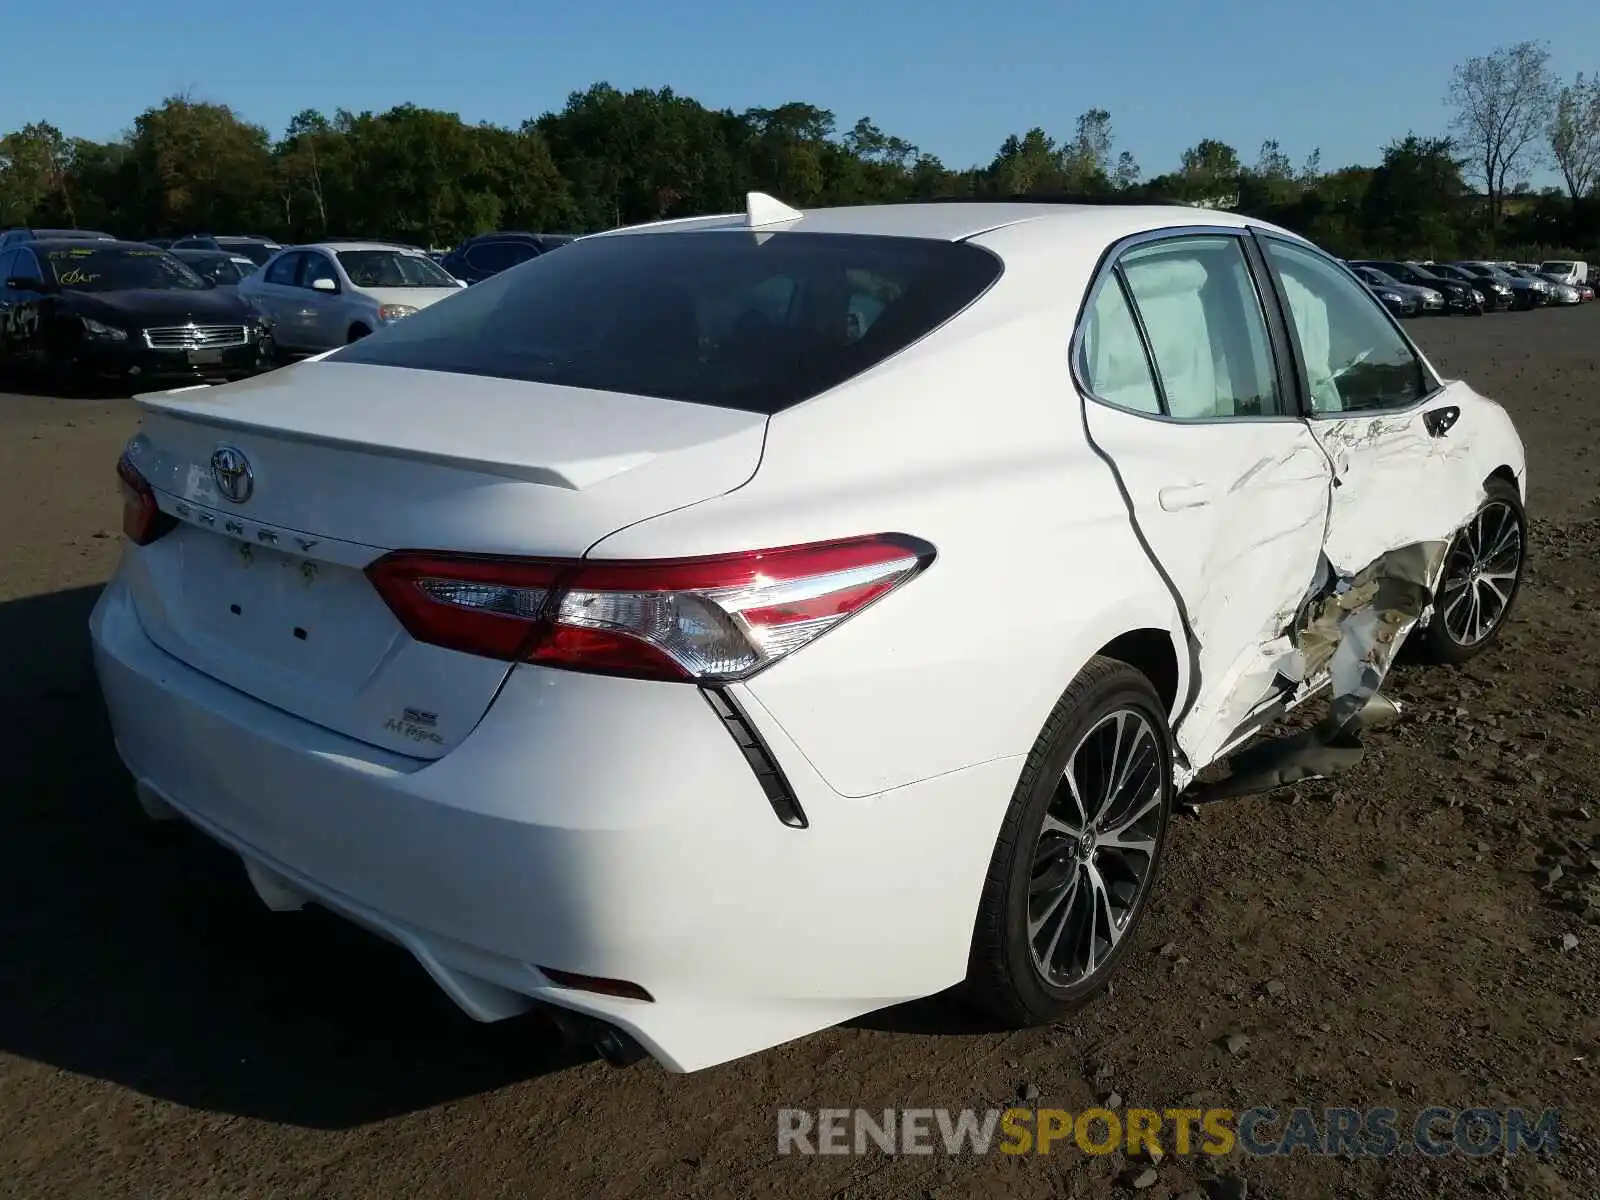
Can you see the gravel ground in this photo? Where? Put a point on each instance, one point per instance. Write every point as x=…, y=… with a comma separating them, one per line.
x=1399, y=937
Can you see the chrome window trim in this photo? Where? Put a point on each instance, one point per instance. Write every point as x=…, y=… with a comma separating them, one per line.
x=1106, y=270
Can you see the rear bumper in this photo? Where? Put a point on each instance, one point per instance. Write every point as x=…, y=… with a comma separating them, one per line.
x=604, y=827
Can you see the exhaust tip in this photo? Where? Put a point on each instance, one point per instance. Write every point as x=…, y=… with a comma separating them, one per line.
x=615, y=1047
x=618, y=1049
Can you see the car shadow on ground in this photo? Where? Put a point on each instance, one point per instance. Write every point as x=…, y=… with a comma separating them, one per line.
x=135, y=951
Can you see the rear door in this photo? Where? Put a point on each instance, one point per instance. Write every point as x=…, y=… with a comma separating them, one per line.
x=275, y=293
x=1225, y=483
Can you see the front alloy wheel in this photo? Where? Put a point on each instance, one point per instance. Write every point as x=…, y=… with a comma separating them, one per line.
x=1482, y=575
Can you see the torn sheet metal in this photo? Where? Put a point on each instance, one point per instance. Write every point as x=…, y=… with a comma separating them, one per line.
x=1349, y=633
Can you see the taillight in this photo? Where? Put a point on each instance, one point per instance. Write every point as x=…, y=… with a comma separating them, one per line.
x=142, y=519
x=702, y=620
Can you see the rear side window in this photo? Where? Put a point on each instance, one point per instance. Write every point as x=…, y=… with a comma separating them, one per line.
x=739, y=320
x=284, y=269
x=1114, y=362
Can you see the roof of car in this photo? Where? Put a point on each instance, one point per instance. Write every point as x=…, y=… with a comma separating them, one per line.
x=335, y=247
x=953, y=221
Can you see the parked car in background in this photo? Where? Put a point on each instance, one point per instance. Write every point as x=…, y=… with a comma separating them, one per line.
x=1566, y=270
x=1459, y=297
x=331, y=293
x=76, y=309
x=1402, y=302
x=256, y=249
x=222, y=267
x=1525, y=293
x=158, y=243
x=1562, y=293
x=478, y=258
x=1428, y=301
x=1497, y=293
x=589, y=633
x=16, y=237
x=1540, y=284
x=1585, y=292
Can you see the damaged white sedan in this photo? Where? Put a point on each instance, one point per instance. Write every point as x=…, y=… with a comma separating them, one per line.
x=726, y=627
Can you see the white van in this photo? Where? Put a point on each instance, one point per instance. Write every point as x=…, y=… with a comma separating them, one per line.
x=1572, y=273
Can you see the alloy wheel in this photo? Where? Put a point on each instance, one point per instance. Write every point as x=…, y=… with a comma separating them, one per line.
x=1480, y=575
x=1092, y=866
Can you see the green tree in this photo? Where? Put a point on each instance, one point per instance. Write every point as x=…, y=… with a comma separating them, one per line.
x=1575, y=135
x=35, y=166
x=197, y=166
x=1502, y=103
x=1412, y=197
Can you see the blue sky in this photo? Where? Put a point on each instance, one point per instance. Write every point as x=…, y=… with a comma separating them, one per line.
x=954, y=78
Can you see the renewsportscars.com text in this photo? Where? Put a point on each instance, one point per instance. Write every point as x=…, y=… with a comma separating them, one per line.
x=1262, y=1132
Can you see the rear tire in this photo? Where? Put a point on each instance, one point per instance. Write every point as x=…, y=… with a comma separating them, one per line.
x=1067, y=884
x=1481, y=578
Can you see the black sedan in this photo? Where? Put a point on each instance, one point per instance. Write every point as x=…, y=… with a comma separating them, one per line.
x=73, y=310
x=1459, y=297
x=1498, y=295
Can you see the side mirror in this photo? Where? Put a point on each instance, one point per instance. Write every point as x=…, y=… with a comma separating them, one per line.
x=324, y=285
x=26, y=283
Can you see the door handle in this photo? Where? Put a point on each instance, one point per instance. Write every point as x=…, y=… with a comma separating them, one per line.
x=1188, y=495
x=1439, y=421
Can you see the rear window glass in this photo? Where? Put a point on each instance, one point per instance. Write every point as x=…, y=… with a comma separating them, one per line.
x=729, y=318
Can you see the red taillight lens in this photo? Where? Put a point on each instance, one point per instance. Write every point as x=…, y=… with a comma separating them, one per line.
x=142, y=519
x=691, y=619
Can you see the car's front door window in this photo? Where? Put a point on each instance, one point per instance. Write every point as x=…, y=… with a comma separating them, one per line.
x=316, y=267
x=1354, y=358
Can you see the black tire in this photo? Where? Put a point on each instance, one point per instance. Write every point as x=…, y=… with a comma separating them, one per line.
x=357, y=332
x=1444, y=640
x=1004, y=974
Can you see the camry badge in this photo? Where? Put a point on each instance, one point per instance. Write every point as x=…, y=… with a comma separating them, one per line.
x=231, y=471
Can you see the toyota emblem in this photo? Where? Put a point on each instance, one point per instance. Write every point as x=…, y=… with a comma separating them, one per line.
x=231, y=470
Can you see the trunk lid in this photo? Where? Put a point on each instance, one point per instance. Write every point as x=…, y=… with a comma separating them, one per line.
x=264, y=589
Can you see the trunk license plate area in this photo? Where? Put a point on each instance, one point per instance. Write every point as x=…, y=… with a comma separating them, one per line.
x=288, y=614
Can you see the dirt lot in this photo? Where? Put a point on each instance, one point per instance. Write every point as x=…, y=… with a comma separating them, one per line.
x=162, y=1034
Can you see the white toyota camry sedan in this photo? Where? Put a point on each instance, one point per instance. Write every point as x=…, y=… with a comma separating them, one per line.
x=726, y=627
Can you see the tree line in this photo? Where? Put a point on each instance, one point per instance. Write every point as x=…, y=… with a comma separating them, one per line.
x=611, y=157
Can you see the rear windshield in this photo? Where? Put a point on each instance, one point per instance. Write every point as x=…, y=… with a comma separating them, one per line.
x=728, y=318
x=1557, y=268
